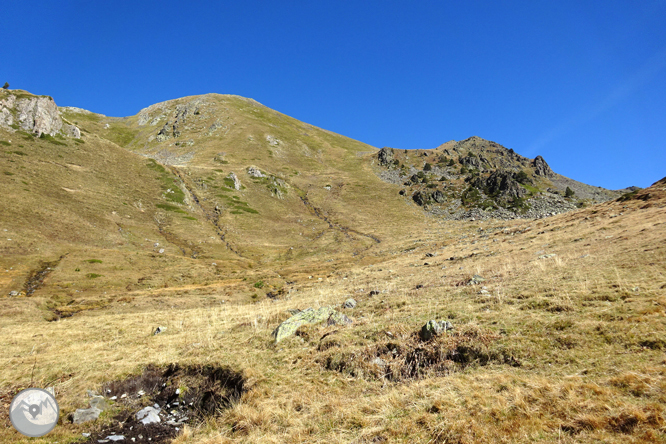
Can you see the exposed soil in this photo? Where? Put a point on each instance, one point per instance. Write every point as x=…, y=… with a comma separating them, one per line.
x=184, y=395
x=36, y=277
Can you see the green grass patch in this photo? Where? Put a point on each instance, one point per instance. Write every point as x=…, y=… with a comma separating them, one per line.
x=5, y=143
x=533, y=190
x=190, y=218
x=93, y=275
x=94, y=261
x=79, y=141
x=120, y=135
x=18, y=153
x=168, y=207
x=7, y=173
x=14, y=125
x=51, y=139
x=229, y=182
x=259, y=284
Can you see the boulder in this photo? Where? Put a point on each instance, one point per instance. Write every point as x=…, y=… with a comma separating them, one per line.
x=349, y=303
x=434, y=328
x=438, y=196
x=159, y=330
x=420, y=198
x=72, y=131
x=148, y=415
x=98, y=402
x=309, y=316
x=86, y=415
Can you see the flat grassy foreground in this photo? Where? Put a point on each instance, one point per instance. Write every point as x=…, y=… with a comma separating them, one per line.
x=564, y=348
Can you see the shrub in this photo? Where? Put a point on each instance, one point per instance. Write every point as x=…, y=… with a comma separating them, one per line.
x=5, y=86
x=427, y=167
x=522, y=177
x=451, y=162
x=463, y=170
x=259, y=284
x=569, y=192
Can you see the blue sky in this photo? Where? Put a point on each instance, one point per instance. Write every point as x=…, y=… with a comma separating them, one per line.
x=582, y=83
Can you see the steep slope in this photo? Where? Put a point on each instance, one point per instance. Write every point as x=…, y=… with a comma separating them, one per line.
x=479, y=179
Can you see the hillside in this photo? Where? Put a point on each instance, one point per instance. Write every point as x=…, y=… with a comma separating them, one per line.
x=225, y=223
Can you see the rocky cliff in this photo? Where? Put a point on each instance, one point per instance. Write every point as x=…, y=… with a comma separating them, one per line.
x=35, y=114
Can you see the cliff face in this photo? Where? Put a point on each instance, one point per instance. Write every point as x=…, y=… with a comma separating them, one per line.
x=35, y=114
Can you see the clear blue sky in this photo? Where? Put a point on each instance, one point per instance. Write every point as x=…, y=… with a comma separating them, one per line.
x=583, y=83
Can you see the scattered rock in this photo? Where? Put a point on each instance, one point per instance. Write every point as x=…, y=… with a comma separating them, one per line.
x=115, y=438
x=159, y=330
x=434, y=328
x=337, y=318
x=349, y=303
x=13, y=293
x=254, y=172
x=85, y=415
x=430, y=255
x=547, y=256
x=476, y=279
x=373, y=293
x=148, y=415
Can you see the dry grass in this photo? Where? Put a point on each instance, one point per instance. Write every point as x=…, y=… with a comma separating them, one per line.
x=587, y=346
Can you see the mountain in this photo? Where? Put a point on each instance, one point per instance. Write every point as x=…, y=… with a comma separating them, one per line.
x=479, y=179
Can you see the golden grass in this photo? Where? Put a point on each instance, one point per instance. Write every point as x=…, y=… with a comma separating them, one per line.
x=590, y=345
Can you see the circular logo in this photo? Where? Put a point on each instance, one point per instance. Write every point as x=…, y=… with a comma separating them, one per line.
x=34, y=412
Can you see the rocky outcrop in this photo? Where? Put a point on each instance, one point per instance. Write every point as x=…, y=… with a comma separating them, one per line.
x=39, y=115
x=541, y=168
x=385, y=156
x=237, y=183
x=254, y=172
x=500, y=184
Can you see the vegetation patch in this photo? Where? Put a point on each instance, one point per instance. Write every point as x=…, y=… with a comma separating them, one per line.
x=93, y=275
x=120, y=135
x=51, y=139
x=94, y=261
x=413, y=358
x=5, y=143
x=168, y=207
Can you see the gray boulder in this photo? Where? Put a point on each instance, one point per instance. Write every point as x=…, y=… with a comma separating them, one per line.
x=349, y=303
x=434, y=328
x=309, y=316
x=98, y=402
x=148, y=415
x=72, y=131
x=86, y=415
x=159, y=330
